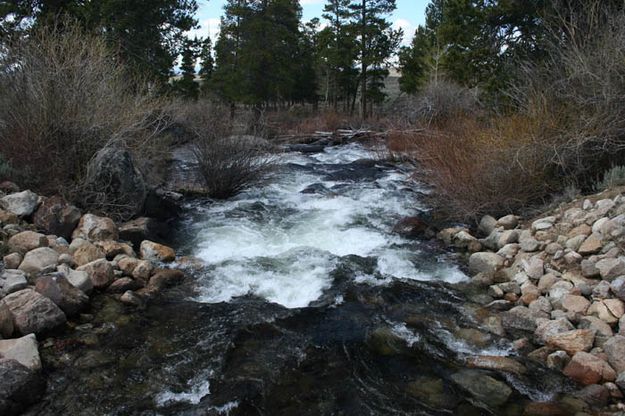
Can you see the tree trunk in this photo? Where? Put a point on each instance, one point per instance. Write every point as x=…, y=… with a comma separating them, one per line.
x=363, y=52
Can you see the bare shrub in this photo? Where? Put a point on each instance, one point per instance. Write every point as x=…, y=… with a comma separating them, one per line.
x=436, y=104
x=228, y=162
x=64, y=97
x=577, y=95
x=480, y=169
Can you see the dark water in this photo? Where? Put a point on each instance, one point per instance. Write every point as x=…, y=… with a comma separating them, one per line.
x=308, y=305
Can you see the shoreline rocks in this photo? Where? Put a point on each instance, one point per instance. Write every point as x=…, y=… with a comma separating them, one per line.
x=51, y=269
x=559, y=282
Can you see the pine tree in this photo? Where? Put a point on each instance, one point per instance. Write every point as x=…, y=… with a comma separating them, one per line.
x=207, y=64
x=376, y=43
x=186, y=86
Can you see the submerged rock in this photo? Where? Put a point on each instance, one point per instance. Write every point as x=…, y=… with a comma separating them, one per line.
x=484, y=388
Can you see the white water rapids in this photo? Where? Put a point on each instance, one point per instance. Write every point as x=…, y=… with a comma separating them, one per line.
x=280, y=244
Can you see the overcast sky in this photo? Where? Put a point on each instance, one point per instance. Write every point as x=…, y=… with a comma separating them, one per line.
x=408, y=15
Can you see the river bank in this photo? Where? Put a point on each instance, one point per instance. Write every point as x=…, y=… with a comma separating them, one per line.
x=307, y=299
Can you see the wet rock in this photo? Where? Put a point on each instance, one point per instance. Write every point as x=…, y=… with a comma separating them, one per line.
x=411, y=227
x=38, y=260
x=430, y=391
x=100, y=272
x=143, y=270
x=384, y=341
x=132, y=299
x=56, y=216
x=26, y=241
x=23, y=350
x=587, y=369
x=128, y=264
x=595, y=395
x=59, y=290
x=487, y=263
x=20, y=387
x=558, y=360
x=124, y=284
x=572, y=341
x=165, y=278
x=546, y=409
x=12, y=281
x=483, y=388
x=519, y=318
x=94, y=228
x=23, y=204
x=504, y=364
x=34, y=313
x=615, y=351
x=86, y=253
x=157, y=252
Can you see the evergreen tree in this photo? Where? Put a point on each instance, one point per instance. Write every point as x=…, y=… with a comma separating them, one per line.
x=186, y=86
x=415, y=61
x=376, y=42
x=207, y=63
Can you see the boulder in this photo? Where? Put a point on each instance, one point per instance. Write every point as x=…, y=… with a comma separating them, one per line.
x=485, y=389
x=534, y=268
x=158, y=253
x=575, y=304
x=38, y=260
x=543, y=224
x=26, y=241
x=12, y=281
x=603, y=331
x=591, y=245
x=100, y=272
x=548, y=328
x=142, y=229
x=23, y=350
x=112, y=173
x=34, y=313
x=558, y=360
x=487, y=225
x=589, y=269
x=615, y=351
x=23, y=204
x=600, y=310
x=509, y=222
x=124, y=284
x=588, y=369
x=112, y=248
x=617, y=287
x=486, y=263
x=611, y=268
x=12, y=261
x=519, y=318
x=142, y=270
x=595, y=395
x=127, y=266
x=572, y=341
x=7, y=218
x=164, y=278
x=86, y=253
x=132, y=299
x=20, y=387
x=94, y=228
x=80, y=280
x=56, y=216
x=60, y=291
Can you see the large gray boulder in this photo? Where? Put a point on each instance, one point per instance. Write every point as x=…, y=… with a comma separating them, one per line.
x=94, y=228
x=38, y=260
x=112, y=176
x=26, y=241
x=34, y=313
x=22, y=204
x=485, y=262
x=24, y=350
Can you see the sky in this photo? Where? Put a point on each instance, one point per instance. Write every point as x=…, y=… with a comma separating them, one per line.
x=408, y=15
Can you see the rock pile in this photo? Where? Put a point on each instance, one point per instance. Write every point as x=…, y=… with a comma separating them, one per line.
x=559, y=282
x=55, y=259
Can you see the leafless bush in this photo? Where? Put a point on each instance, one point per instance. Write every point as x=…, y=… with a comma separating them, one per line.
x=64, y=97
x=578, y=94
x=435, y=105
x=228, y=159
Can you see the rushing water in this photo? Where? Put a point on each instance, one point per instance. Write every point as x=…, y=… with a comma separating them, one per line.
x=308, y=304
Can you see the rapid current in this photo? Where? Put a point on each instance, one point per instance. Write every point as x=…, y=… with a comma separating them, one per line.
x=307, y=304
